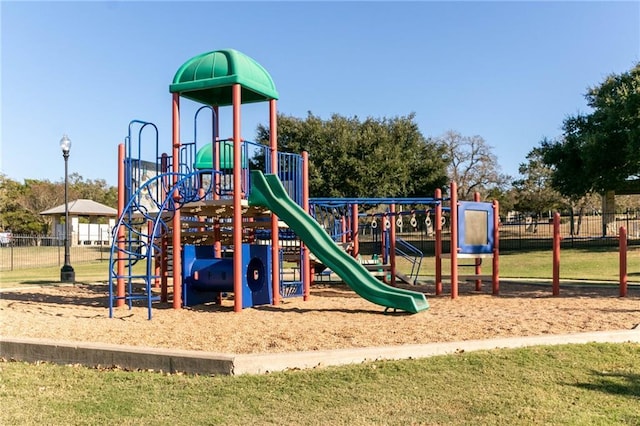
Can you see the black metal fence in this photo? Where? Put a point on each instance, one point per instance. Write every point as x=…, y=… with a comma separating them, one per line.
x=575, y=231
x=527, y=233
x=28, y=251
x=34, y=251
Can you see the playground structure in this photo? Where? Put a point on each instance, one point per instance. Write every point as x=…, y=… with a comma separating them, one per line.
x=623, y=277
x=185, y=215
x=228, y=216
x=473, y=225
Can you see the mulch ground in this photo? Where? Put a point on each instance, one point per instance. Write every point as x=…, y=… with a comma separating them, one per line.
x=334, y=317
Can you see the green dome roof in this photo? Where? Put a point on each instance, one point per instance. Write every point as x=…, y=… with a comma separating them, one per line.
x=204, y=156
x=208, y=78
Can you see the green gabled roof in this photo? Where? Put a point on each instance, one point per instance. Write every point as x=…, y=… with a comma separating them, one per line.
x=208, y=78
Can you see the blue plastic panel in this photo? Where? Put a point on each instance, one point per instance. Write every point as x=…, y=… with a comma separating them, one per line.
x=475, y=227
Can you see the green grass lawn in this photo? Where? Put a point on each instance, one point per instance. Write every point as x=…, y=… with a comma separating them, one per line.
x=575, y=264
x=571, y=384
x=598, y=264
x=85, y=273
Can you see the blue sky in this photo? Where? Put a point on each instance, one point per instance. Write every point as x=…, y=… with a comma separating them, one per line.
x=507, y=71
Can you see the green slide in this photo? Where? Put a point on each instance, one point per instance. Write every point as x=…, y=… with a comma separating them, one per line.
x=267, y=191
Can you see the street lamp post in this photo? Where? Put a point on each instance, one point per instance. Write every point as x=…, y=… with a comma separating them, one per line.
x=67, y=274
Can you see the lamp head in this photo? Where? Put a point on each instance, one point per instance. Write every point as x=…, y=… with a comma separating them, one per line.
x=65, y=144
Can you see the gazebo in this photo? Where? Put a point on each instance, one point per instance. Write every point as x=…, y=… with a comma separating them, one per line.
x=92, y=233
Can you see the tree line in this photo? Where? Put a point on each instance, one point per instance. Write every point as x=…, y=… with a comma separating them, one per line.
x=21, y=203
x=390, y=157
x=596, y=152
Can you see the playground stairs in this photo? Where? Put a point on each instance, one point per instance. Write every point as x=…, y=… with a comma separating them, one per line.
x=137, y=274
x=140, y=242
x=148, y=236
x=413, y=256
x=405, y=278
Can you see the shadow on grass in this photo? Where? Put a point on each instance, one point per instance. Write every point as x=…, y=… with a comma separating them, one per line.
x=77, y=282
x=38, y=282
x=613, y=383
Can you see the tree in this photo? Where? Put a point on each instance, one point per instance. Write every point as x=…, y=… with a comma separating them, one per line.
x=16, y=214
x=97, y=190
x=9, y=194
x=472, y=165
x=371, y=158
x=534, y=194
x=506, y=198
x=534, y=191
x=37, y=196
x=599, y=151
x=21, y=204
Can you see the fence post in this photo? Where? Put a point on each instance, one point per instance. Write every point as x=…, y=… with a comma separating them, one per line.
x=556, y=254
x=572, y=232
x=623, y=261
x=626, y=216
x=519, y=232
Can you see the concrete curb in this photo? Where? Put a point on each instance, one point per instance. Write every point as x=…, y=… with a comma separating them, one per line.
x=198, y=362
x=107, y=355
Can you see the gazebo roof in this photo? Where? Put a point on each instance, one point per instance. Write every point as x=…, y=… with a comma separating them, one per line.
x=209, y=77
x=82, y=207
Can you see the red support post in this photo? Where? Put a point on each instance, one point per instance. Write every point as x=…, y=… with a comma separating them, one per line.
x=355, y=234
x=383, y=240
x=155, y=261
x=164, y=242
x=556, y=254
x=237, y=201
x=306, y=258
x=623, y=261
x=438, y=242
x=495, y=275
x=176, y=228
x=121, y=236
x=275, y=235
x=164, y=279
x=454, y=240
x=392, y=244
x=217, y=245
